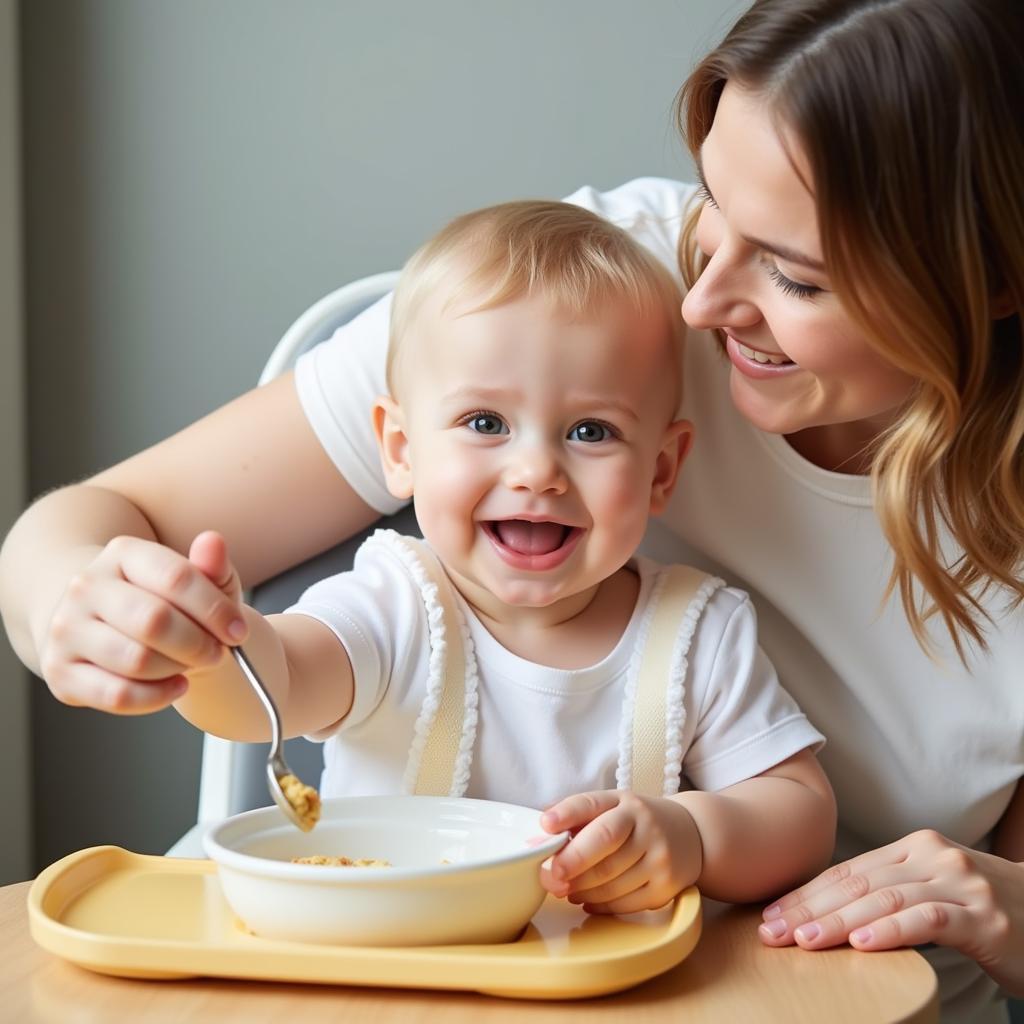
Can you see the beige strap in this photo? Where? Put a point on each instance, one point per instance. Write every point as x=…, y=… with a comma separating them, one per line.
x=680, y=585
x=437, y=764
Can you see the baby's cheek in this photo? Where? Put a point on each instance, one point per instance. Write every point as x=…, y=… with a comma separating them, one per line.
x=626, y=507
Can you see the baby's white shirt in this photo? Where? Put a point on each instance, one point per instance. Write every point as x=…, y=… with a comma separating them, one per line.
x=543, y=733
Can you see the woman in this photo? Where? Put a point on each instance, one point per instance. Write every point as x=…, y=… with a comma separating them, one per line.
x=857, y=250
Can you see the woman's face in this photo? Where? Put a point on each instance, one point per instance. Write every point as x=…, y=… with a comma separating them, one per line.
x=800, y=366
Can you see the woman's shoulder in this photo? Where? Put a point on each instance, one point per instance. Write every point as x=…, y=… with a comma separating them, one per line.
x=652, y=210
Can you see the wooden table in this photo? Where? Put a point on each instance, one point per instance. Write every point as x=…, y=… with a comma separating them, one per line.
x=729, y=977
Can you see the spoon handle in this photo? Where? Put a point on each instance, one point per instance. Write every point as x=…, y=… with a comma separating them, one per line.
x=263, y=693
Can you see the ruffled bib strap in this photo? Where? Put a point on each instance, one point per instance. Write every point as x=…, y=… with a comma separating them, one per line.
x=653, y=714
x=442, y=749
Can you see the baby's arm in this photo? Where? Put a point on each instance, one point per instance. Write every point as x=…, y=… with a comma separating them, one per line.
x=740, y=844
x=302, y=664
x=300, y=661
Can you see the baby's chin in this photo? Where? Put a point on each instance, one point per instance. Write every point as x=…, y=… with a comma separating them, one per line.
x=537, y=595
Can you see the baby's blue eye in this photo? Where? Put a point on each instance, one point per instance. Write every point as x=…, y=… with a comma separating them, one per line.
x=590, y=431
x=486, y=423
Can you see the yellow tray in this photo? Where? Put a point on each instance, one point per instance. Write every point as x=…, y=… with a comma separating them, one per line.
x=138, y=916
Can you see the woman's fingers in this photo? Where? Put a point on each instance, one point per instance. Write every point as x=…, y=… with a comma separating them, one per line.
x=80, y=684
x=171, y=576
x=948, y=924
x=209, y=553
x=151, y=623
x=851, y=878
x=135, y=619
x=100, y=644
x=828, y=918
x=923, y=888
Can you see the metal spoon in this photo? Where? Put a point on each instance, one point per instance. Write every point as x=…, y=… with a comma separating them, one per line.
x=277, y=767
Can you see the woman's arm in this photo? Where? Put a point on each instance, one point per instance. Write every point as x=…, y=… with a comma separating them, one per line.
x=83, y=608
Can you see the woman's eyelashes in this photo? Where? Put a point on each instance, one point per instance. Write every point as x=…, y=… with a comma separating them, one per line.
x=705, y=196
x=786, y=284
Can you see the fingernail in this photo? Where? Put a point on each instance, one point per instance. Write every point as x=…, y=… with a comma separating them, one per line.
x=236, y=630
x=862, y=935
x=773, y=911
x=808, y=932
x=548, y=820
x=774, y=929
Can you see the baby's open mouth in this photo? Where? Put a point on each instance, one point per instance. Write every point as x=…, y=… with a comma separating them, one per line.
x=526, y=538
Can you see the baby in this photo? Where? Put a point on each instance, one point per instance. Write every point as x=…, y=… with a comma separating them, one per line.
x=522, y=652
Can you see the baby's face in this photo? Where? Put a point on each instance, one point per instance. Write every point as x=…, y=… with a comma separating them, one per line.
x=537, y=446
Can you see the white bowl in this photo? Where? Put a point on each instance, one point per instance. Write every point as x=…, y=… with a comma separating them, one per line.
x=463, y=871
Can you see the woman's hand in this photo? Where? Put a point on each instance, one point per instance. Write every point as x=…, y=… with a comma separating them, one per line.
x=627, y=852
x=138, y=617
x=924, y=888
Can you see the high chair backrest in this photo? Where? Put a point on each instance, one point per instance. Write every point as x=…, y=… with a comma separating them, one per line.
x=233, y=776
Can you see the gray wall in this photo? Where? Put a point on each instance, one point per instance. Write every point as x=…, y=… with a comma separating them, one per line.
x=14, y=680
x=198, y=173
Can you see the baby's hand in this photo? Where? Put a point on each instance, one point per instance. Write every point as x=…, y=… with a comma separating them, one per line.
x=135, y=621
x=627, y=852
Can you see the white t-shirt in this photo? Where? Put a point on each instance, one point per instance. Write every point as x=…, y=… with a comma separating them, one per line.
x=542, y=733
x=912, y=743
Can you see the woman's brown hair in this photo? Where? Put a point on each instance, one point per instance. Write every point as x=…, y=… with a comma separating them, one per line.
x=910, y=114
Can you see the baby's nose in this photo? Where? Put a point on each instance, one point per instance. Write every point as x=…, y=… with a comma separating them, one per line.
x=536, y=469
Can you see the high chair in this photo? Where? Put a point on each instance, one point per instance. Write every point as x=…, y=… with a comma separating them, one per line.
x=233, y=775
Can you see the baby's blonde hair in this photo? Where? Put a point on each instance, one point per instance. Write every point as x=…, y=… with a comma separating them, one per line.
x=569, y=255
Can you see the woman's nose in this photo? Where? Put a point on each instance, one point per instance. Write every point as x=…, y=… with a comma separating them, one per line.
x=720, y=296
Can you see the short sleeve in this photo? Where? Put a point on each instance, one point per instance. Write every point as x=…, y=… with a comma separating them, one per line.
x=337, y=383
x=368, y=609
x=745, y=721
x=338, y=380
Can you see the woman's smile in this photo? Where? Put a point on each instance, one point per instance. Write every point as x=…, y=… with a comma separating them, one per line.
x=756, y=363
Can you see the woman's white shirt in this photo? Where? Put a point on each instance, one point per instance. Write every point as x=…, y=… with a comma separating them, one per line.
x=912, y=742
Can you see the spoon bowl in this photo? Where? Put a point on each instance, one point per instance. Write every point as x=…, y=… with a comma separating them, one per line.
x=299, y=803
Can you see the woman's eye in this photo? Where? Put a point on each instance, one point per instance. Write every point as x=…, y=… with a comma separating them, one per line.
x=705, y=196
x=590, y=431
x=487, y=423
x=788, y=286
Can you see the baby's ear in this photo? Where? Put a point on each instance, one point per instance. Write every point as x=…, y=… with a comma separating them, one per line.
x=675, y=446
x=389, y=426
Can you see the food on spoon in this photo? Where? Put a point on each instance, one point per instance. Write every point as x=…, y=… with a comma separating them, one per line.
x=304, y=799
x=342, y=862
